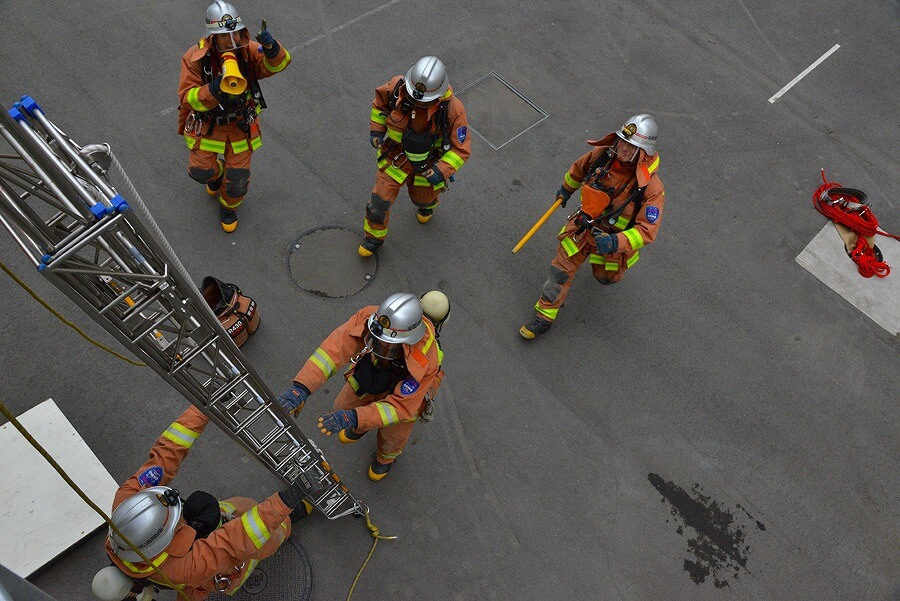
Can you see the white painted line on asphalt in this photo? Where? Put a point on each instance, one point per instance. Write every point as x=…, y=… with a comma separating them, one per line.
x=804, y=73
x=321, y=36
x=879, y=299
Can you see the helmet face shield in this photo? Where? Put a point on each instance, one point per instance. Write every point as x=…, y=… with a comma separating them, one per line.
x=625, y=151
x=384, y=350
x=232, y=40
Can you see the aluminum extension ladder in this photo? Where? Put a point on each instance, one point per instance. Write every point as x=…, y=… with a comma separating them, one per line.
x=105, y=252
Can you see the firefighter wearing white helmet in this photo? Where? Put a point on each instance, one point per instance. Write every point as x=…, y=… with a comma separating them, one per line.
x=420, y=132
x=622, y=200
x=394, y=369
x=198, y=544
x=221, y=101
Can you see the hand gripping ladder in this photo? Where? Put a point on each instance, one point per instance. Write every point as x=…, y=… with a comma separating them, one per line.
x=106, y=253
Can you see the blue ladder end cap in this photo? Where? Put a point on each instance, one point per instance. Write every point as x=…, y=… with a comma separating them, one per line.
x=119, y=204
x=42, y=267
x=29, y=104
x=15, y=113
x=99, y=210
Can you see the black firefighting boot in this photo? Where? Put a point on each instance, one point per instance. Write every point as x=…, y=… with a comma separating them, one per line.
x=424, y=215
x=537, y=327
x=378, y=470
x=228, y=218
x=368, y=247
x=213, y=187
x=348, y=436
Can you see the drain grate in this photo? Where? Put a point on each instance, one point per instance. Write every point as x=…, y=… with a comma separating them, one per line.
x=323, y=262
x=497, y=112
x=285, y=576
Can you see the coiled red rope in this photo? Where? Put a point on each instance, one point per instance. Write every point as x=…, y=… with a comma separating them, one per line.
x=859, y=218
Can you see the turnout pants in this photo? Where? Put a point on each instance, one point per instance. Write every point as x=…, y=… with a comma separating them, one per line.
x=236, y=147
x=385, y=192
x=391, y=439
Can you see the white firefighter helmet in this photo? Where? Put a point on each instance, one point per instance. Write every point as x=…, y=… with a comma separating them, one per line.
x=436, y=306
x=222, y=17
x=640, y=131
x=148, y=519
x=110, y=584
x=397, y=321
x=427, y=79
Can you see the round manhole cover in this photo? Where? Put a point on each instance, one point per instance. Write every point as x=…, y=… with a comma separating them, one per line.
x=323, y=261
x=285, y=576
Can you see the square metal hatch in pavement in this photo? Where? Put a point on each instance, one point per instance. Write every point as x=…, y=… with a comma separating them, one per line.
x=497, y=112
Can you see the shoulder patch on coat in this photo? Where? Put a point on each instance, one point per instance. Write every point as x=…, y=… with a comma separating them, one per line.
x=652, y=214
x=151, y=476
x=461, y=133
x=409, y=386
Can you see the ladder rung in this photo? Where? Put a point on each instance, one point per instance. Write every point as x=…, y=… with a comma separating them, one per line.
x=193, y=353
x=153, y=326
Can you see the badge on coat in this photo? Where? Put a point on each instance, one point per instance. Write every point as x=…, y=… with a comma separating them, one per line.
x=151, y=476
x=409, y=386
x=461, y=133
x=652, y=214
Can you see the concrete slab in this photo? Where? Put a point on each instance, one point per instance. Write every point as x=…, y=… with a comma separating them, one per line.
x=42, y=516
x=879, y=298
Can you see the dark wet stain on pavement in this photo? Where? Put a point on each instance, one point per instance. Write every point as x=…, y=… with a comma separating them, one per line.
x=718, y=548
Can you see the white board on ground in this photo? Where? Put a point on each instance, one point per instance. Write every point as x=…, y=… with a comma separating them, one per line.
x=878, y=298
x=40, y=516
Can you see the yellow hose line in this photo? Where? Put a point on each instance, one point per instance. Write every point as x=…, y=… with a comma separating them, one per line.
x=376, y=535
x=59, y=470
x=66, y=321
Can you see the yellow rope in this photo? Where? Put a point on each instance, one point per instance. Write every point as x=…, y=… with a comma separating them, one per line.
x=37, y=446
x=376, y=535
x=66, y=321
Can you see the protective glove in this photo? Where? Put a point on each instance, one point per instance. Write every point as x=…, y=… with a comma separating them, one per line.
x=215, y=88
x=294, y=398
x=376, y=139
x=271, y=48
x=564, y=194
x=337, y=421
x=434, y=176
x=606, y=243
x=303, y=486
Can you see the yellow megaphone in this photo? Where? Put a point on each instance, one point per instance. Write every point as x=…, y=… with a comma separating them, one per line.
x=232, y=80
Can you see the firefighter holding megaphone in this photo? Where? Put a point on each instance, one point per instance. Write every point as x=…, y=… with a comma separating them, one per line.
x=220, y=102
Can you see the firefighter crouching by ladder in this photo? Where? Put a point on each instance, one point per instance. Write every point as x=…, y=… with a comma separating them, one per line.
x=220, y=101
x=200, y=544
x=394, y=373
x=622, y=201
x=420, y=132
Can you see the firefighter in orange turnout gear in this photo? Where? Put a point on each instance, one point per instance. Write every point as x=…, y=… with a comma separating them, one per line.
x=201, y=545
x=219, y=114
x=421, y=135
x=395, y=367
x=622, y=200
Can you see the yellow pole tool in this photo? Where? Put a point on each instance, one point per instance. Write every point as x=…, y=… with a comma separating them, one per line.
x=538, y=225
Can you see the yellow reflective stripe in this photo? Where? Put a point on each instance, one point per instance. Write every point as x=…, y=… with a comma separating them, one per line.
x=374, y=232
x=569, y=245
x=622, y=222
x=548, y=313
x=388, y=413
x=440, y=355
x=256, y=142
x=190, y=141
x=596, y=259
x=572, y=183
x=180, y=435
x=156, y=562
x=611, y=267
x=453, y=159
x=240, y=146
x=255, y=527
x=428, y=344
x=324, y=362
x=395, y=134
x=393, y=455
x=561, y=230
x=353, y=383
x=212, y=146
x=227, y=507
x=280, y=66
x=418, y=180
x=398, y=175
x=633, y=260
x=252, y=566
x=635, y=238
x=417, y=156
x=654, y=165
x=377, y=117
x=193, y=98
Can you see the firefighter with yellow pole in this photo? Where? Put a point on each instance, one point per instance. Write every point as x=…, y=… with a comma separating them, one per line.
x=622, y=199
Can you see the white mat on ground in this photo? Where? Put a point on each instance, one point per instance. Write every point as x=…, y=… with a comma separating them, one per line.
x=879, y=298
x=40, y=516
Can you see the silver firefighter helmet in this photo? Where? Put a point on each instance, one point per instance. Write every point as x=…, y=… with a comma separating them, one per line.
x=222, y=17
x=148, y=519
x=397, y=321
x=427, y=79
x=640, y=131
